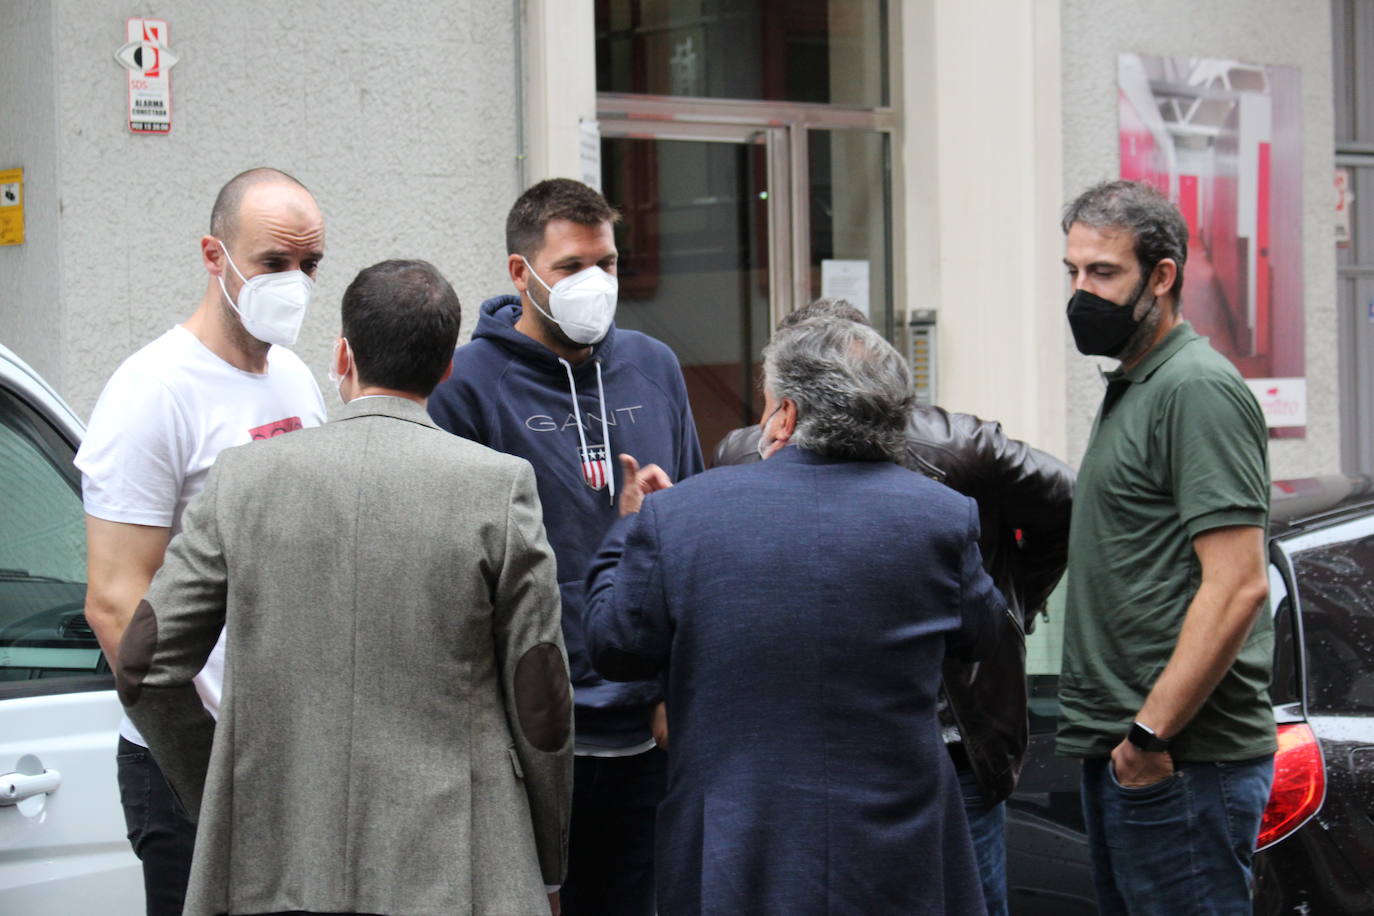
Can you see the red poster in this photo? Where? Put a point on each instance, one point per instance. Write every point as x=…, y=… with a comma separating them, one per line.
x=1223, y=140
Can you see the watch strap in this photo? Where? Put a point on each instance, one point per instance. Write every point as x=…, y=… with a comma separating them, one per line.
x=1146, y=740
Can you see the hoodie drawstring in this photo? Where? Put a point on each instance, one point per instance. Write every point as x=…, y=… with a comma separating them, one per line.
x=605, y=429
x=605, y=434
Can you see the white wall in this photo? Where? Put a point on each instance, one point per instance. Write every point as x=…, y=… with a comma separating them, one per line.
x=1251, y=31
x=401, y=122
x=980, y=102
x=560, y=84
x=30, y=303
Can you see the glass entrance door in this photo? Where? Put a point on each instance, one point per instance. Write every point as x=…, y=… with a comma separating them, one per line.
x=749, y=145
x=698, y=263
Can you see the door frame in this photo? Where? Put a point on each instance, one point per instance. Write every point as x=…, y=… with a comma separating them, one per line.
x=1354, y=364
x=776, y=141
x=783, y=127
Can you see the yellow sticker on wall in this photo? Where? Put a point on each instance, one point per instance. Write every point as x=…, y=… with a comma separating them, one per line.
x=12, y=207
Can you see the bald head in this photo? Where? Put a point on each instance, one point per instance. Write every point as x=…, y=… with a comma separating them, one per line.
x=224, y=216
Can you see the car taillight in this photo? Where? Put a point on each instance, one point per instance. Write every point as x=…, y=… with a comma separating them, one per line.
x=1299, y=784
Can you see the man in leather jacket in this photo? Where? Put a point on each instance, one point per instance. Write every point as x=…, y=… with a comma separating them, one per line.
x=1024, y=499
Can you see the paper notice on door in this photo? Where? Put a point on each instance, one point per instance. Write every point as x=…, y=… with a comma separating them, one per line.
x=846, y=280
x=589, y=152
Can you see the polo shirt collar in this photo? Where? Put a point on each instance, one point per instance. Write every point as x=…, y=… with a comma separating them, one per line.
x=1175, y=340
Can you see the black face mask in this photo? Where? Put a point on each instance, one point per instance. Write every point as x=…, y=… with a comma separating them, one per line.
x=1101, y=327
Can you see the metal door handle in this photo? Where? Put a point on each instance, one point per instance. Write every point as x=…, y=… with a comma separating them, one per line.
x=15, y=787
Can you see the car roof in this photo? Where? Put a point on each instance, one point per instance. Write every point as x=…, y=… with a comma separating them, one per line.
x=1302, y=503
x=20, y=378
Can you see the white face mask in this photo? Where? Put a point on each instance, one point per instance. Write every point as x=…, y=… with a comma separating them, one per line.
x=764, y=443
x=334, y=376
x=271, y=306
x=583, y=305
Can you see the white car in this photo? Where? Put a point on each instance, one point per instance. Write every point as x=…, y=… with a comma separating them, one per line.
x=63, y=845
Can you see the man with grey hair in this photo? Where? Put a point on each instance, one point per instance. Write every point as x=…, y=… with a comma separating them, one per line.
x=1167, y=649
x=1024, y=498
x=800, y=612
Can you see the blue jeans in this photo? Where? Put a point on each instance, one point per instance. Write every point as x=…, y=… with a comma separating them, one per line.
x=987, y=828
x=161, y=835
x=1180, y=846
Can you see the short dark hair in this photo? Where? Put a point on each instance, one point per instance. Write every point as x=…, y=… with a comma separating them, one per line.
x=554, y=198
x=825, y=307
x=224, y=214
x=1158, y=228
x=401, y=319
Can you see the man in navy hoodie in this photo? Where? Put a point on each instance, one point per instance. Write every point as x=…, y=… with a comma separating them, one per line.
x=550, y=378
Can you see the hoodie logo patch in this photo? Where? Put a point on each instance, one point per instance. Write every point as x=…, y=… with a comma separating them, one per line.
x=595, y=469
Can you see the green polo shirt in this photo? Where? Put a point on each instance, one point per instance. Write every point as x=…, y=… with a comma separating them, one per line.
x=1179, y=447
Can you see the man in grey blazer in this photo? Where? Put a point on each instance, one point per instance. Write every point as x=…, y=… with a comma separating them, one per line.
x=396, y=728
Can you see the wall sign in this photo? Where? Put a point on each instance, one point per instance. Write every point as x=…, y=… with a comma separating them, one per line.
x=1283, y=400
x=11, y=206
x=149, y=62
x=1344, y=198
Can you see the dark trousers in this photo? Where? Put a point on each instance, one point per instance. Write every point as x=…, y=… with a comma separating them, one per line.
x=611, y=842
x=161, y=835
x=1179, y=847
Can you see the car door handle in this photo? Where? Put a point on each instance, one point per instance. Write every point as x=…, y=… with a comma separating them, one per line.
x=15, y=787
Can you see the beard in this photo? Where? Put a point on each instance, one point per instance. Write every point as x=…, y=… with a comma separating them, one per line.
x=1143, y=337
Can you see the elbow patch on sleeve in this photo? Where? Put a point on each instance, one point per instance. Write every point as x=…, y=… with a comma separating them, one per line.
x=543, y=697
x=136, y=653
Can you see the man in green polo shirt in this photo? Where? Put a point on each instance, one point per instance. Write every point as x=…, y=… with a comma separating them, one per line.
x=1167, y=645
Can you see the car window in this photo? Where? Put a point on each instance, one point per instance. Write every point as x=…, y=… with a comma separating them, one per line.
x=1044, y=652
x=44, y=635
x=1334, y=579
x=1283, y=686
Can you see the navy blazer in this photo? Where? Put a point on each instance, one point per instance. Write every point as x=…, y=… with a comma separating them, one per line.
x=801, y=608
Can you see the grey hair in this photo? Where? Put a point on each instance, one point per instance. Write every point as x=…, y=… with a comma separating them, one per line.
x=1158, y=228
x=851, y=388
x=827, y=307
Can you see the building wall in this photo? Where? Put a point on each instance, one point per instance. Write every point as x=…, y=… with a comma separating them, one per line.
x=1093, y=32
x=407, y=125
x=403, y=125
x=30, y=274
x=980, y=109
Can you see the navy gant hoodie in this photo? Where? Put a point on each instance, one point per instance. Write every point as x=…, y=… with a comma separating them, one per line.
x=513, y=394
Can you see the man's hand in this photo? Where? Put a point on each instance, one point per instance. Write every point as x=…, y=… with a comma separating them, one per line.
x=658, y=724
x=1135, y=768
x=554, y=906
x=637, y=483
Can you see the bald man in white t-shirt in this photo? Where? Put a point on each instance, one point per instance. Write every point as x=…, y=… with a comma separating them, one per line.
x=221, y=378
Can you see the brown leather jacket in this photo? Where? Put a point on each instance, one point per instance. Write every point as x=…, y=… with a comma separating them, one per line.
x=1024, y=497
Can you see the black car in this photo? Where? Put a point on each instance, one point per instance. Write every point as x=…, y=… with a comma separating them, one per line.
x=1317, y=838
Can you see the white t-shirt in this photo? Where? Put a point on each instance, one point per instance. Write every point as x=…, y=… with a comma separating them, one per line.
x=163, y=418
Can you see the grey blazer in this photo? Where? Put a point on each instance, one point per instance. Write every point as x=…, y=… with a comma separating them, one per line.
x=395, y=734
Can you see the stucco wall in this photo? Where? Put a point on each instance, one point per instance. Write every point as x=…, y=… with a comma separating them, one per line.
x=30, y=306
x=402, y=125
x=1093, y=32
x=980, y=103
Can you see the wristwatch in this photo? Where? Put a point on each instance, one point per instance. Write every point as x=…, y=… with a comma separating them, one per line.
x=1144, y=738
